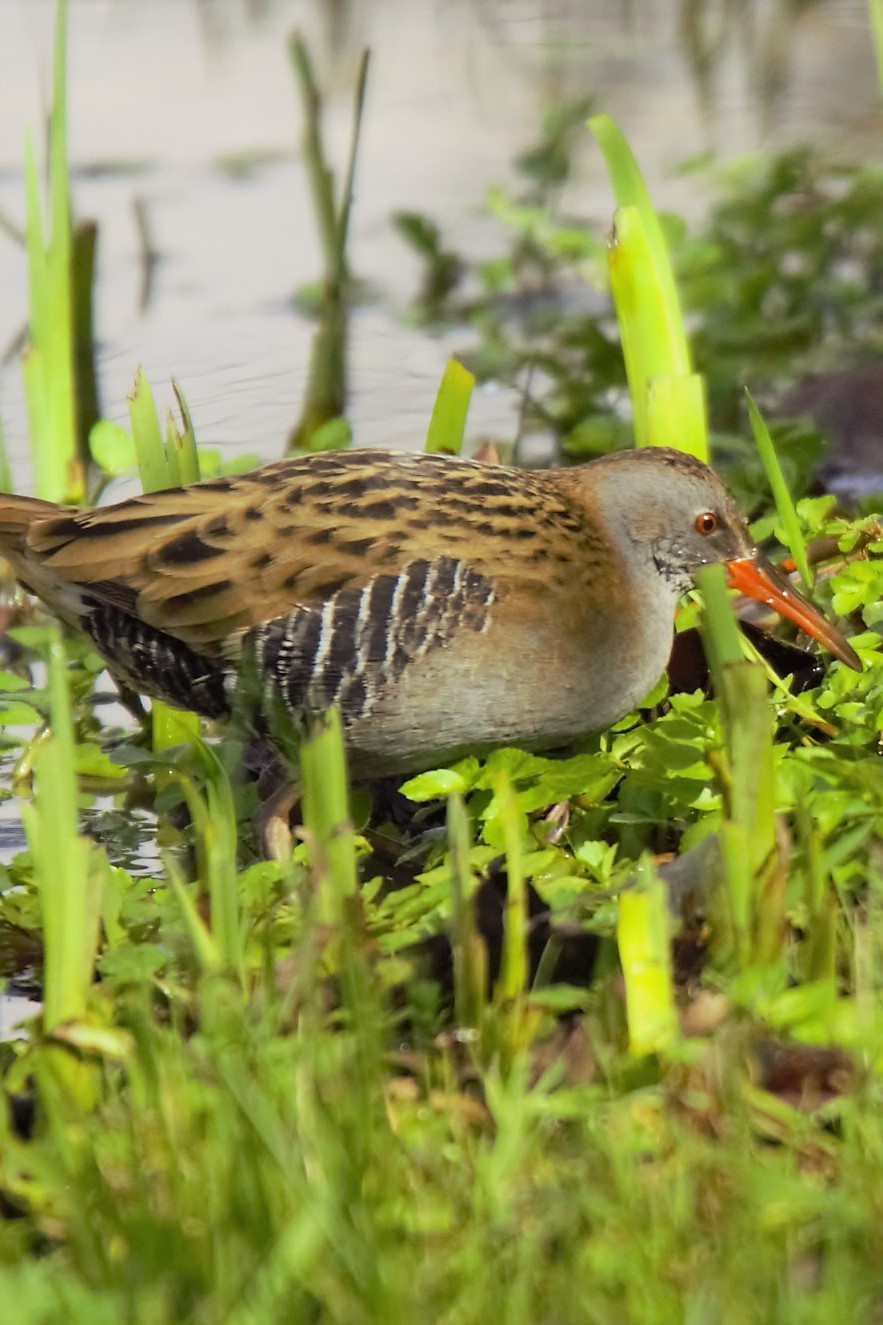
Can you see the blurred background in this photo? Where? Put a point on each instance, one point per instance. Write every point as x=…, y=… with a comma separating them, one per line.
x=185, y=120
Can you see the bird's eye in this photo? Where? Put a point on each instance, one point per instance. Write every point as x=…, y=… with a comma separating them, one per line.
x=706, y=523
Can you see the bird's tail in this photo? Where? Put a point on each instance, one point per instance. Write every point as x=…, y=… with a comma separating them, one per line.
x=17, y=514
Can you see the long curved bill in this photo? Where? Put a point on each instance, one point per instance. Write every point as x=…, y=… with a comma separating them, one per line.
x=760, y=579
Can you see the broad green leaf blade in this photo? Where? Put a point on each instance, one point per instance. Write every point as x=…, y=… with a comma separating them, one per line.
x=153, y=463
x=648, y=307
x=448, y=423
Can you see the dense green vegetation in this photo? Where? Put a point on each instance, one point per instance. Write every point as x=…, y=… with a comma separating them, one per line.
x=477, y=1051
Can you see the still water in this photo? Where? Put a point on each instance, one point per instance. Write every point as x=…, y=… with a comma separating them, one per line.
x=188, y=107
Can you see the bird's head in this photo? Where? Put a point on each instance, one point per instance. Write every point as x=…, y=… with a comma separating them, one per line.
x=668, y=514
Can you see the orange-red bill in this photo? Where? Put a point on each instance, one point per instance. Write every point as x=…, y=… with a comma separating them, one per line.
x=760, y=579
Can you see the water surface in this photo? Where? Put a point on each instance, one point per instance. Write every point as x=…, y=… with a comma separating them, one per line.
x=165, y=96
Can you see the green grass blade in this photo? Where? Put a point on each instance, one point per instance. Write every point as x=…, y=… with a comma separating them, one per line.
x=348, y=189
x=643, y=937
x=153, y=463
x=49, y=361
x=720, y=630
x=782, y=497
x=219, y=847
x=448, y=423
x=181, y=441
x=69, y=886
x=653, y=342
x=206, y=950
x=514, y=964
x=469, y=952
x=209, y=799
x=751, y=866
x=327, y=817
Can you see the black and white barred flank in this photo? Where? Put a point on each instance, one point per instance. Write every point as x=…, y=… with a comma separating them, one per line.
x=360, y=641
x=346, y=651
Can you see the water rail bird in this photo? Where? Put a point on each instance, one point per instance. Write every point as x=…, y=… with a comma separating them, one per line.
x=445, y=605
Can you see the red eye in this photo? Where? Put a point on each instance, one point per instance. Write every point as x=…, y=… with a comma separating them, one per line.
x=706, y=523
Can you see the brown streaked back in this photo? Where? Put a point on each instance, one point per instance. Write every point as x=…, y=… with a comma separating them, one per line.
x=206, y=562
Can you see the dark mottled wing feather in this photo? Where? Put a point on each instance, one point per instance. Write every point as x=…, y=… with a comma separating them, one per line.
x=208, y=562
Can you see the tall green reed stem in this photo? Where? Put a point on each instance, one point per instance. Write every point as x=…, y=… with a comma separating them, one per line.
x=51, y=355
x=669, y=408
x=64, y=861
x=668, y=398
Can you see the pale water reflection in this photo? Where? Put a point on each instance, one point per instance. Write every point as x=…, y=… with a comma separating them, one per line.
x=165, y=95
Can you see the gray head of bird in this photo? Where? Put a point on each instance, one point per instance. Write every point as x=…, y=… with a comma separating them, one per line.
x=667, y=515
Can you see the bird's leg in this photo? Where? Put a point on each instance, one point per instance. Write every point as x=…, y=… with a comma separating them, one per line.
x=278, y=793
x=271, y=821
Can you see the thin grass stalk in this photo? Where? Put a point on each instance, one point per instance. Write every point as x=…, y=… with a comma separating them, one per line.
x=469, y=951
x=782, y=497
x=749, y=782
x=751, y=797
x=318, y=172
x=88, y=406
x=68, y=885
x=514, y=964
x=447, y=426
x=220, y=845
x=326, y=389
x=327, y=818
x=720, y=631
x=213, y=815
x=820, y=949
x=181, y=445
x=331, y=840
x=820, y=944
x=349, y=180
x=206, y=951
